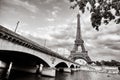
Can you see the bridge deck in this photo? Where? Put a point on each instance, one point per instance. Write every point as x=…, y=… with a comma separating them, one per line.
x=10, y=35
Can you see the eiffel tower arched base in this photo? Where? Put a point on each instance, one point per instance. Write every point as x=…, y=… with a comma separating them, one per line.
x=80, y=55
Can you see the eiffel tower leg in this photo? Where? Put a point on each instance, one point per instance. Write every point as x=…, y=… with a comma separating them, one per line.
x=83, y=48
x=75, y=48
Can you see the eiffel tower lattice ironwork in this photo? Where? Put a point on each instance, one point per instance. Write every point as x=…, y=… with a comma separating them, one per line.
x=76, y=53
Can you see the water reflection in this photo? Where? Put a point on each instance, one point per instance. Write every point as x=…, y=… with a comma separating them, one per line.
x=80, y=75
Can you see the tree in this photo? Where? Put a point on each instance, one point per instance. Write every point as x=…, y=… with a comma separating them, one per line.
x=101, y=10
x=98, y=63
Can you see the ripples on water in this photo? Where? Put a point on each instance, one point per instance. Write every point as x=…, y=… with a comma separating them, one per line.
x=81, y=75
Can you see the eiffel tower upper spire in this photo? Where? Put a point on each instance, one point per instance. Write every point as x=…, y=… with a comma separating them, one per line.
x=78, y=33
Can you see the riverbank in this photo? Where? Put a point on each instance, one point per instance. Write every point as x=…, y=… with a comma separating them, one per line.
x=103, y=69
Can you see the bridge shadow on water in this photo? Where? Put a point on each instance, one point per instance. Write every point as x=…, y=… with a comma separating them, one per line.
x=19, y=75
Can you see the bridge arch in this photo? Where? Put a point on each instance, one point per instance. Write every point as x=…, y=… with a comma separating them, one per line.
x=72, y=66
x=20, y=58
x=61, y=65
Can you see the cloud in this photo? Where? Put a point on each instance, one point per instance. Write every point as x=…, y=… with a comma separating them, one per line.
x=66, y=1
x=33, y=17
x=114, y=46
x=62, y=44
x=56, y=8
x=54, y=13
x=24, y=4
x=50, y=19
x=104, y=44
x=48, y=1
x=63, y=31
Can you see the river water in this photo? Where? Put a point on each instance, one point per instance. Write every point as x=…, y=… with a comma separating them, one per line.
x=80, y=75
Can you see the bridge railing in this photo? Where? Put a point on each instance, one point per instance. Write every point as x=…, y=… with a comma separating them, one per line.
x=20, y=40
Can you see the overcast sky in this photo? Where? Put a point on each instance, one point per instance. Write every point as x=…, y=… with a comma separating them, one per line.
x=53, y=22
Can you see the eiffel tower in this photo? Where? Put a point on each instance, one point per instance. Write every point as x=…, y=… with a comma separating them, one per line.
x=76, y=53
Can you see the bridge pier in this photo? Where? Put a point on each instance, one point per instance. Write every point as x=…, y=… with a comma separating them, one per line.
x=51, y=72
x=75, y=69
x=3, y=69
x=67, y=70
x=39, y=69
x=9, y=70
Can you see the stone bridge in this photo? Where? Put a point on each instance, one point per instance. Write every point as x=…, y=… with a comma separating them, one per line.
x=20, y=53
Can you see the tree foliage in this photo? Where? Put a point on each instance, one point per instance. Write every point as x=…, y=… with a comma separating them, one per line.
x=101, y=10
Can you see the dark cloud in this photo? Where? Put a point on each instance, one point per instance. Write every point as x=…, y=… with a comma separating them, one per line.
x=114, y=46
